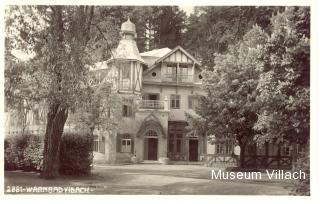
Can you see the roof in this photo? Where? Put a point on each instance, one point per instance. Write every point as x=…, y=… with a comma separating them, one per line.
x=154, y=65
x=182, y=50
x=151, y=57
x=128, y=26
x=156, y=52
x=127, y=49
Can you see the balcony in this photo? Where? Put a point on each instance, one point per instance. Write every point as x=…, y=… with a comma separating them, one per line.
x=152, y=104
x=180, y=78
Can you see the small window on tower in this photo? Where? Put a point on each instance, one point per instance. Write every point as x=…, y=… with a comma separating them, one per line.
x=127, y=111
x=154, y=74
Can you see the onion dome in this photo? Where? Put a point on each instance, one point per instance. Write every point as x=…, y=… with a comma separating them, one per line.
x=128, y=27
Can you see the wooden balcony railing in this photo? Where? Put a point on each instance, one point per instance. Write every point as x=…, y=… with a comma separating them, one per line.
x=180, y=78
x=151, y=104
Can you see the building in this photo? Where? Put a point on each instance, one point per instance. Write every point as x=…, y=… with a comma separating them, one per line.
x=168, y=84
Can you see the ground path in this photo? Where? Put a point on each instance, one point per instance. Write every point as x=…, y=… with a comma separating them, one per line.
x=155, y=179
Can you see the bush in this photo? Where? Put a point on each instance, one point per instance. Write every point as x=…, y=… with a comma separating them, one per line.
x=23, y=152
x=76, y=154
x=302, y=186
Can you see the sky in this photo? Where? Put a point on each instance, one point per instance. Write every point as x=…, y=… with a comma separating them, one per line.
x=187, y=9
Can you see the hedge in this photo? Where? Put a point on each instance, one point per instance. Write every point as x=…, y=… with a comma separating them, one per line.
x=76, y=154
x=25, y=152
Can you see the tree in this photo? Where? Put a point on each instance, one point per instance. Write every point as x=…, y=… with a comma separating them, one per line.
x=62, y=38
x=284, y=87
x=229, y=109
x=212, y=29
x=156, y=26
x=284, y=84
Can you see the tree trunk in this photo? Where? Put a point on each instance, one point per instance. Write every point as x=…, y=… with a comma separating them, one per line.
x=242, y=155
x=56, y=120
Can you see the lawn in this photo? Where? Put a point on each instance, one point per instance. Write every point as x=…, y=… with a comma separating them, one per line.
x=154, y=179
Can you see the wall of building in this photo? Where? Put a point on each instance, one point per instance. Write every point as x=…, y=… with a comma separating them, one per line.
x=183, y=91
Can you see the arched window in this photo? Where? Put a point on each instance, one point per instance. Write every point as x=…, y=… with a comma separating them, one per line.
x=151, y=133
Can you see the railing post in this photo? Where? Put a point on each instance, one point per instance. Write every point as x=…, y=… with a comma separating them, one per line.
x=165, y=104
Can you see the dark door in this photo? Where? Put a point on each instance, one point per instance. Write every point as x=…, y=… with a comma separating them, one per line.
x=152, y=148
x=193, y=150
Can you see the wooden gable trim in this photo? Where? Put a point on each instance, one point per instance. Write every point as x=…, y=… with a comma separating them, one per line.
x=170, y=53
x=176, y=49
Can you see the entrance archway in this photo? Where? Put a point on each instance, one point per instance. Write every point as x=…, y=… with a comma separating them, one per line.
x=150, y=145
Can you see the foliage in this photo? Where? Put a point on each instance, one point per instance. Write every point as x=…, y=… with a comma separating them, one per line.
x=302, y=186
x=283, y=87
x=258, y=90
x=157, y=26
x=62, y=39
x=229, y=109
x=76, y=154
x=23, y=152
x=212, y=29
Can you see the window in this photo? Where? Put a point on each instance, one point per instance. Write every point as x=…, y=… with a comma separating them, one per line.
x=229, y=149
x=96, y=144
x=125, y=75
x=193, y=102
x=175, y=101
x=286, y=150
x=154, y=74
x=127, y=111
x=151, y=133
x=183, y=71
x=219, y=148
x=126, y=144
x=171, y=69
x=176, y=141
x=224, y=148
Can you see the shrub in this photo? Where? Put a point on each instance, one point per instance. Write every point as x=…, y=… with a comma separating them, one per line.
x=302, y=186
x=23, y=152
x=76, y=154
x=33, y=155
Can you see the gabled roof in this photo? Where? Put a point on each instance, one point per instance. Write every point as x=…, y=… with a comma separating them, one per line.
x=182, y=50
x=171, y=52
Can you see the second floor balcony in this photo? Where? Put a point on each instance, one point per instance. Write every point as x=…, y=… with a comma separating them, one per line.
x=178, y=78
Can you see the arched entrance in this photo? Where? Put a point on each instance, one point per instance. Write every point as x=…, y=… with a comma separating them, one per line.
x=150, y=145
x=153, y=138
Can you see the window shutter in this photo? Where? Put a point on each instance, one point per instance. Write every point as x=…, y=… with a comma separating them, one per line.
x=132, y=145
x=118, y=147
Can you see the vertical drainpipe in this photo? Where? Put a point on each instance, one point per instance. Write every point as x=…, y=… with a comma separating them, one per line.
x=166, y=106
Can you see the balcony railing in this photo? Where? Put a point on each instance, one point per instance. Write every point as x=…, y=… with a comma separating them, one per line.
x=180, y=78
x=152, y=104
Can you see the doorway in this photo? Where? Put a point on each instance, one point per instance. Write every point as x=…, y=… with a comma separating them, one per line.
x=151, y=148
x=193, y=150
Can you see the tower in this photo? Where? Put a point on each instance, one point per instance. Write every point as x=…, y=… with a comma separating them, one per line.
x=127, y=61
